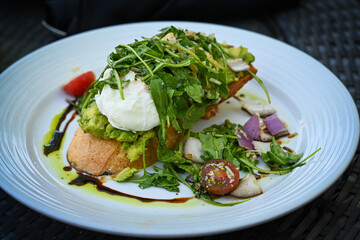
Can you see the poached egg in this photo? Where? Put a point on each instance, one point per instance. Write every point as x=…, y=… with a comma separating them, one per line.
x=137, y=112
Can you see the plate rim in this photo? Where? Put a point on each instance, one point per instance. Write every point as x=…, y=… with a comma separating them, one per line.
x=37, y=207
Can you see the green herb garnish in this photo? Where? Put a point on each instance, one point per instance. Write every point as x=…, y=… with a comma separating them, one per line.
x=185, y=74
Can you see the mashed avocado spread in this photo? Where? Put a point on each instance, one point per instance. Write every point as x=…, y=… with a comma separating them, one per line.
x=92, y=121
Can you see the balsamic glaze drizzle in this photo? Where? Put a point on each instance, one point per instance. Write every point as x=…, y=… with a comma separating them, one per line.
x=83, y=179
x=58, y=135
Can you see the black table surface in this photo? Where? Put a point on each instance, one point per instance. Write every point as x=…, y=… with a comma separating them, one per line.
x=329, y=31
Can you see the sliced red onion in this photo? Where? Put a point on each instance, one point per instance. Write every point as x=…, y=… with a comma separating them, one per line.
x=252, y=127
x=244, y=140
x=248, y=187
x=275, y=126
x=192, y=150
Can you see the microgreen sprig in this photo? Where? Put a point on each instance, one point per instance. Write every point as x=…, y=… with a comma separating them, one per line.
x=182, y=48
x=119, y=83
x=260, y=83
x=137, y=55
x=224, y=59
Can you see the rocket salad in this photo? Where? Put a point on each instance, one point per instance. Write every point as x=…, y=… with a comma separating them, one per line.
x=218, y=142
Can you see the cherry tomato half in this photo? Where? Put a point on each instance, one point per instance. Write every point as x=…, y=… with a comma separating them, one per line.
x=78, y=85
x=219, y=176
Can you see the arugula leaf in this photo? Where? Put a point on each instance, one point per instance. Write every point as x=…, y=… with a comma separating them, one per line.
x=193, y=114
x=172, y=118
x=169, y=79
x=181, y=73
x=166, y=155
x=223, y=88
x=159, y=95
x=278, y=158
x=194, y=89
x=201, y=53
x=293, y=158
x=160, y=178
x=228, y=155
x=251, y=164
x=213, y=146
x=181, y=107
x=219, y=141
x=192, y=168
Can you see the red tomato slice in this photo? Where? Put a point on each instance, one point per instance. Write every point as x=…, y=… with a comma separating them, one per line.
x=219, y=176
x=78, y=85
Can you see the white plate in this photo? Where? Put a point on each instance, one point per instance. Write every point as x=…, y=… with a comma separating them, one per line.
x=308, y=96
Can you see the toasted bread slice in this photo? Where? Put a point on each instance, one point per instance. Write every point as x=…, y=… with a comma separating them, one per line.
x=98, y=156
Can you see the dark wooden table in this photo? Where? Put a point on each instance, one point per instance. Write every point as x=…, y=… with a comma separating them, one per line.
x=327, y=30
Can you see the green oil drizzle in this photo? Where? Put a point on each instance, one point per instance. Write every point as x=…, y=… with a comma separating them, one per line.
x=54, y=122
x=252, y=97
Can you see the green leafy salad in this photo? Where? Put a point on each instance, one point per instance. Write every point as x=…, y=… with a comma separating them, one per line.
x=186, y=72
